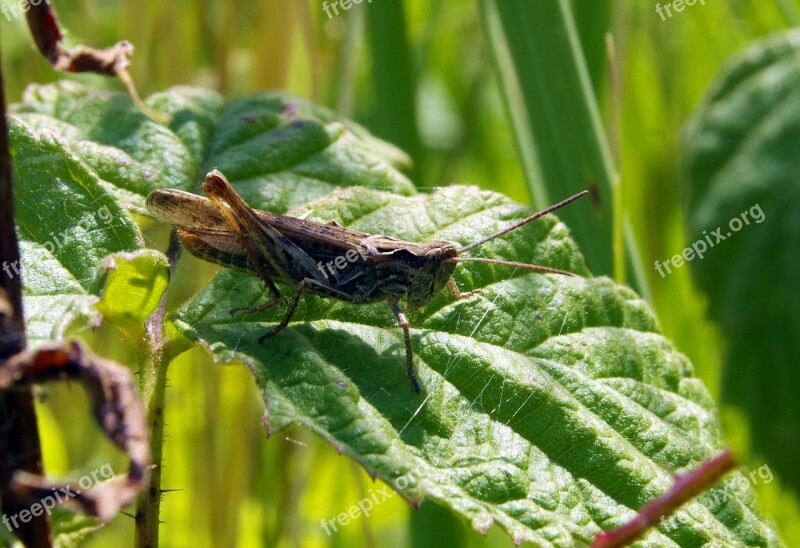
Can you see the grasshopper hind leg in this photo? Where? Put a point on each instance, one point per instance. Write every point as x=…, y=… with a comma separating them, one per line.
x=404, y=325
x=301, y=287
x=260, y=308
x=284, y=322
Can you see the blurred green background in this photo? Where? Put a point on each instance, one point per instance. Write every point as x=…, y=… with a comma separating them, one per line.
x=433, y=78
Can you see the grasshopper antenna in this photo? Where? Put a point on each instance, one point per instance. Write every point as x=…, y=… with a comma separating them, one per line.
x=526, y=266
x=515, y=226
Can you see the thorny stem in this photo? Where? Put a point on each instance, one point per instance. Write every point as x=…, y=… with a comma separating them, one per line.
x=152, y=386
x=154, y=356
x=686, y=487
x=20, y=448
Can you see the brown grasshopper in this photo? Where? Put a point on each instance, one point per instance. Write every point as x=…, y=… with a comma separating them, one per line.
x=361, y=268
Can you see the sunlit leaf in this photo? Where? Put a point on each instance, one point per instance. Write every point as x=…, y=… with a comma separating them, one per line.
x=131, y=287
x=551, y=405
x=84, y=158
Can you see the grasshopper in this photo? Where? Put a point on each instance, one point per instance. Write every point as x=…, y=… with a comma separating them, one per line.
x=223, y=229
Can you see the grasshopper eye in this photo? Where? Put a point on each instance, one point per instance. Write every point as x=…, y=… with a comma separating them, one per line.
x=441, y=249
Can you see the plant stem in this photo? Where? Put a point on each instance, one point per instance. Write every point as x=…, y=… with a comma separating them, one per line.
x=686, y=487
x=20, y=448
x=152, y=384
x=155, y=354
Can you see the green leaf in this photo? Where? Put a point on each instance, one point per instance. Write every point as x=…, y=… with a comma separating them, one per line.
x=741, y=158
x=73, y=530
x=84, y=158
x=130, y=153
x=393, y=114
x=281, y=151
x=551, y=406
x=131, y=288
x=67, y=221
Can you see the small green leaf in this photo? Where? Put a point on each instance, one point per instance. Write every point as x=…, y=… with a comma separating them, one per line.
x=73, y=530
x=741, y=158
x=131, y=286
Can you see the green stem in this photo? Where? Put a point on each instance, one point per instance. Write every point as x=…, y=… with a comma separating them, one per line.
x=155, y=352
x=152, y=384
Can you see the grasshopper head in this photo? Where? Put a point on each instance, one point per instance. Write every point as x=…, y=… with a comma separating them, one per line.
x=433, y=273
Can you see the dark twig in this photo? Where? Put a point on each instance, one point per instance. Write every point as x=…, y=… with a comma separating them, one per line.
x=117, y=407
x=112, y=61
x=47, y=35
x=20, y=448
x=685, y=488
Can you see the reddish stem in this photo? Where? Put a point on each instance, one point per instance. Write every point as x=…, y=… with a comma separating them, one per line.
x=686, y=487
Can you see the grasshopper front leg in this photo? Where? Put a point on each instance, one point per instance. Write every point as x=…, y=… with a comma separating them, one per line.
x=451, y=285
x=404, y=325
